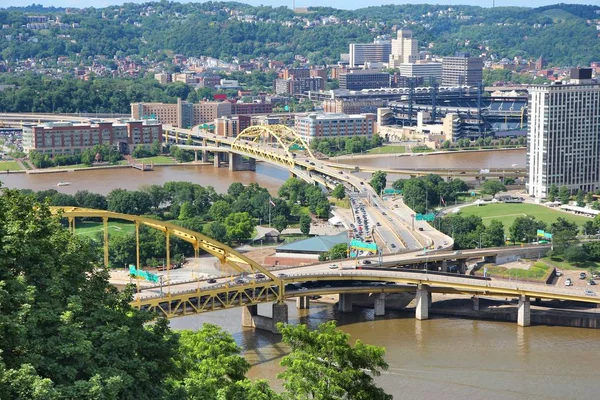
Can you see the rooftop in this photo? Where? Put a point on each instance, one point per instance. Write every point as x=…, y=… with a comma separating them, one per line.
x=317, y=244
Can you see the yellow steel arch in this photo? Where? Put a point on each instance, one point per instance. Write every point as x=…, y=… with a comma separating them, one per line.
x=223, y=252
x=284, y=136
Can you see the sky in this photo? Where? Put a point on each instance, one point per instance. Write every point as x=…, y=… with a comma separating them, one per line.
x=344, y=4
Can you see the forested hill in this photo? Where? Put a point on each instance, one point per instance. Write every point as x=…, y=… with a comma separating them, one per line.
x=564, y=34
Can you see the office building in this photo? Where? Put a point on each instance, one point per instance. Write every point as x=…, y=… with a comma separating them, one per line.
x=377, y=52
x=462, y=70
x=405, y=49
x=68, y=138
x=319, y=126
x=232, y=126
x=563, y=146
x=352, y=106
x=364, y=79
x=428, y=71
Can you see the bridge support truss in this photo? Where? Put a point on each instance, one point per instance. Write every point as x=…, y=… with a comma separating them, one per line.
x=524, y=311
x=302, y=302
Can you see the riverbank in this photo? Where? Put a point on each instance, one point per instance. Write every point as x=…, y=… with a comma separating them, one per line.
x=100, y=167
x=433, y=153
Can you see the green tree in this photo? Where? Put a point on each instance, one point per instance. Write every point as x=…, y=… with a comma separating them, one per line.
x=305, y=222
x=211, y=367
x=65, y=332
x=279, y=222
x=323, y=365
x=494, y=234
x=339, y=192
x=580, y=198
x=564, y=195
x=379, y=181
x=239, y=226
x=219, y=210
x=492, y=186
x=398, y=184
x=589, y=198
x=552, y=192
x=217, y=231
x=524, y=229
x=575, y=254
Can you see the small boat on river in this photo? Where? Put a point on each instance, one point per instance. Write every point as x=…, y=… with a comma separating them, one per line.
x=61, y=183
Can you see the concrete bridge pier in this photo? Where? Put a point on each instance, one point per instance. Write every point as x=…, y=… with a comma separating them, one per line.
x=524, y=311
x=216, y=160
x=345, y=303
x=380, y=305
x=475, y=303
x=423, y=302
x=205, y=155
x=236, y=163
x=302, y=302
x=251, y=319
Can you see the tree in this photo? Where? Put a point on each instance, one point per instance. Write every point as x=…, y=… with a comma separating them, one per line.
x=280, y=223
x=305, y=221
x=492, y=186
x=589, y=198
x=564, y=195
x=398, y=184
x=580, y=198
x=339, y=192
x=494, y=234
x=524, y=229
x=217, y=231
x=211, y=367
x=575, y=254
x=337, y=252
x=379, y=181
x=564, y=233
x=219, y=210
x=323, y=365
x=552, y=192
x=239, y=226
x=79, y=337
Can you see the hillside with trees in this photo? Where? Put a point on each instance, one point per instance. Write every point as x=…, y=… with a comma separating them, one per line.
x=565, y=34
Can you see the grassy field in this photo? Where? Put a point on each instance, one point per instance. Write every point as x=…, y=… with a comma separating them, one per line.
x=91, y=228
x=537, y=271
x=9, y=166
x=344, y=203
x=561, y=264
x=507, y=213
x=387, y=150
x=158, y=160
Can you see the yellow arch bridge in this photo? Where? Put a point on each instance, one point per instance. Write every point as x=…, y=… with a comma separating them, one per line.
x=268, y=285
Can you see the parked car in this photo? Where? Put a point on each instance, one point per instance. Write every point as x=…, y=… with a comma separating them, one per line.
x=558, y=273
x=568, y=282
x=589, y=293
x=582, y=275
x=366, y=262
x=259, y=276
x=333, y=266
x=212, y=280
x=591, y=282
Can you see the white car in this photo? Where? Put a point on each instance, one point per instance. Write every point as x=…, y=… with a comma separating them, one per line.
x=333, y=266
x=568, y=282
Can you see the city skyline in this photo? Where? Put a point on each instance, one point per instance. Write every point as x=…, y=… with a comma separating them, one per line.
x=340, y=4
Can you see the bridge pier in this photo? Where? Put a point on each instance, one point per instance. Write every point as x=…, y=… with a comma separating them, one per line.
x=345, y=303
x=302, y=302
x=475, y=303
x=236, y=163
x=251, y=319
x=195, y=155
x=423, y=301
x=524, y=311
x=380, y=305
x=204, y=155
x=216, y=160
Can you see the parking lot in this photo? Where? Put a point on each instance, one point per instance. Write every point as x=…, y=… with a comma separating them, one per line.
x=576, y=281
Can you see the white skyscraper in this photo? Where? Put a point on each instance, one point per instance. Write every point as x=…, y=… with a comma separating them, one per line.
x=405, y=49
x=563, y=146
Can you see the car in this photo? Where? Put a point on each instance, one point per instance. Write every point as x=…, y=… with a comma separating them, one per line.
x=378, y=224
x=341, y=172
x=421, y=229
x=582, y=275
x=362, y=183
x=315, y=297
x=589, y=293
x=384, y=213
x=240, y=281
x=259, y=276
x=212, y=280
x=457, y=252
x=302, y=288
x=393, y=246
x=281, y=275
x=366, y=262
x=312, y=163
x=592, y=282
x=439, y=247
x=558, y=273
x=333, y=266
x=568, y=282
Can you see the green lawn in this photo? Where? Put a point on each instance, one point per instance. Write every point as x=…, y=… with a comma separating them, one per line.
x=91, y=228
x=158, y=160
x=9, y=166
x=560, y=264
x=507, y=213
x=344, y=203
x=387, y=150
x=536, y=272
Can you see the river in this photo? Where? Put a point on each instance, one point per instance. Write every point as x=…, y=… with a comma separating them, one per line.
x=441, y=358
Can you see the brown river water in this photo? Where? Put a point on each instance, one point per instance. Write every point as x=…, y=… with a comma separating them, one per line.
x=441, y=358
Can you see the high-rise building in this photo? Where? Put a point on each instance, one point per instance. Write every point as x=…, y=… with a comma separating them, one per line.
x=461, y=70
x=563, y=146
x=405, y=49
x=364, y=79
x=295, y=86
x=432, y=70
x=379, y=52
